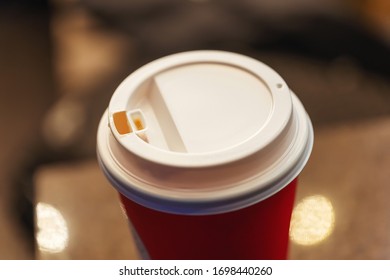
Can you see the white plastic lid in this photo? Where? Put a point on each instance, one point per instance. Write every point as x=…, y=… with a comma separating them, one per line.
x=203, y=132
x=200, y=109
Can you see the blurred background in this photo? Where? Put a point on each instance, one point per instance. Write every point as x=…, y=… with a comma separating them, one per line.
x=61, y=60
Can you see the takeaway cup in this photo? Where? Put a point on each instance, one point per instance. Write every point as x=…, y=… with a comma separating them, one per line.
x=204, y=148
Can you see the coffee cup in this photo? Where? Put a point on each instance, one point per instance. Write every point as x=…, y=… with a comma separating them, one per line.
x=205, y=149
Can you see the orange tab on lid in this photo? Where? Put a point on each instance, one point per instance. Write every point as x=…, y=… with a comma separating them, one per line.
x=121, y=122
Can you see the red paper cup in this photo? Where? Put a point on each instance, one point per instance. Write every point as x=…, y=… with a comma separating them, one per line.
x=205, y=148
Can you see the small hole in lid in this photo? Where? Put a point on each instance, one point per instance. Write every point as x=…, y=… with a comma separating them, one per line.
x=137, y=120
x=279, y=85
x=121, y=123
